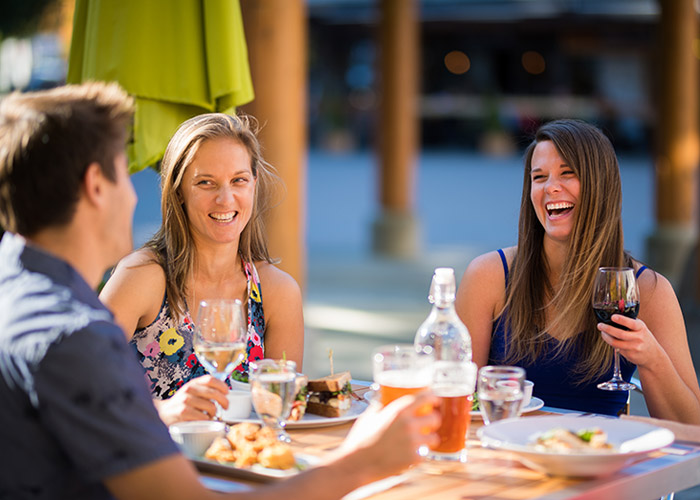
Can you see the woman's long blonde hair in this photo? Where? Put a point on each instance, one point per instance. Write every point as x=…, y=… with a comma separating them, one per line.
x=596, y=240
x=173, y=245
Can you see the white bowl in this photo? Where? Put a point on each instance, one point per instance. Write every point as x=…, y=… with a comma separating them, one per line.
x=239, y=405
x=632, y=440
x=194, y=437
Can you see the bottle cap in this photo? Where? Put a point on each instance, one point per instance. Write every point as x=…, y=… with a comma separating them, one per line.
x=443, y=277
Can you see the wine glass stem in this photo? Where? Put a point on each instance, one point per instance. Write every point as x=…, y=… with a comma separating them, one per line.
x=616, y=366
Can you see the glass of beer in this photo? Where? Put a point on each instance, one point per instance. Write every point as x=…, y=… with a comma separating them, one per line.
x=400, y=370
x=453, y=382
x=500, y=390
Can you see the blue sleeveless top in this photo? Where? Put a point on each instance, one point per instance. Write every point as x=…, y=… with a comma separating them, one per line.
x=555, y=382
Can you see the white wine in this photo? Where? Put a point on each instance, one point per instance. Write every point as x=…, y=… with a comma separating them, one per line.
x=273, y=394
x=220, y=358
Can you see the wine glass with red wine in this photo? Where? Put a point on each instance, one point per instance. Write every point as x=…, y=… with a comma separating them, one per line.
x=615, y=292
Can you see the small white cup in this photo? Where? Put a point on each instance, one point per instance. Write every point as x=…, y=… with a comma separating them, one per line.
x=527, y=392
x=239, y=386
x=194, y=437
x=239, y=406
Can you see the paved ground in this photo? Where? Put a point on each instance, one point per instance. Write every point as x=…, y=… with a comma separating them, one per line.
x=467, y=204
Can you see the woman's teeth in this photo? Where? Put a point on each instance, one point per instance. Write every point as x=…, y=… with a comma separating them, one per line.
x=558, y=208
x=223, y=217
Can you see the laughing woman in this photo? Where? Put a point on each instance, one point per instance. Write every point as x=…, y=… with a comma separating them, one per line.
x=211, y=244
x=530, y=305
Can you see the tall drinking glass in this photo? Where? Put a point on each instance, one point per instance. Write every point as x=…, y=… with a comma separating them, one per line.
x=453, y=383
x=500, y=390
x=615, y=292
x=273, y=388
x=399, y=370
x=219, y=337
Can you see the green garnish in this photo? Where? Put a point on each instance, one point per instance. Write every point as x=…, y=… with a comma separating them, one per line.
x=240, y=376
x=475, y=403
x=586, y=434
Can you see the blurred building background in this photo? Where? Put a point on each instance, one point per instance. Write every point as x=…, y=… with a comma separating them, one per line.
x=490, y=70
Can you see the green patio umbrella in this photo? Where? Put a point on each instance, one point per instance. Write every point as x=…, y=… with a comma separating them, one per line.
x=178, y=58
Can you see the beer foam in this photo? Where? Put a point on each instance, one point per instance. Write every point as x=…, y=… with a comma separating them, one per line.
x=406, y=379
x=452, y=391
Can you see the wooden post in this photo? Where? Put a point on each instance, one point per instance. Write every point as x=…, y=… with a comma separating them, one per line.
x=396, y=231
x=276, y=35
x=677, y=148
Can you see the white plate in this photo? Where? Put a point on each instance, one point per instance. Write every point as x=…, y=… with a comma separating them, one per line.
x=310, y=421
x=257, y=472
x=534, y=404
x=635, y=439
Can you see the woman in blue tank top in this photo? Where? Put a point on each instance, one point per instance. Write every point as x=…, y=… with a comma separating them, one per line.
x=530, y=305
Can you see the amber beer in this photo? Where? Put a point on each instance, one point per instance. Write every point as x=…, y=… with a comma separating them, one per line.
x=453, y=383
x=455, y=406
x=396, y=383
x=400, y=370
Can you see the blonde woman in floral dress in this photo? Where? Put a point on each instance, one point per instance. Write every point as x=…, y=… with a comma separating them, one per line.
x=211, y=244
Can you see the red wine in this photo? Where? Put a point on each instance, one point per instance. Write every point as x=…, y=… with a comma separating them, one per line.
x=604, y=311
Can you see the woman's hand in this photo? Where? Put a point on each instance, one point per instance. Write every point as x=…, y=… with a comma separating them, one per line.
x=638, y=345
x=194, y=401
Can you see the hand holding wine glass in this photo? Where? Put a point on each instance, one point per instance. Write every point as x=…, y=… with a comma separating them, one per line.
x=219, y=337
x=615, y=292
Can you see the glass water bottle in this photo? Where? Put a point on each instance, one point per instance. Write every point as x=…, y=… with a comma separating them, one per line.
x=443, y=333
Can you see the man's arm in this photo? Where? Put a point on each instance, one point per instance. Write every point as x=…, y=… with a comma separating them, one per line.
x=383, y=442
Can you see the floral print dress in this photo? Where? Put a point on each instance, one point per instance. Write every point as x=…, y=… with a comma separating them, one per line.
x=165, y=350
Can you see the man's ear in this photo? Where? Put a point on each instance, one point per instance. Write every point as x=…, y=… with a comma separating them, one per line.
x=94, y=184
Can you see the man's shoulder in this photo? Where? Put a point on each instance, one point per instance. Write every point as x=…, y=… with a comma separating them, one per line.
x=35, y=311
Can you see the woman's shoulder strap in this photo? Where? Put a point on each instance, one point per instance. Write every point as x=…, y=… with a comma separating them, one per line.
x=504, y=261
x=253, y=280
x=640, y=271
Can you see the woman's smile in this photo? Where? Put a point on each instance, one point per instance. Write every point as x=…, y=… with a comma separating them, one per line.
x=224, y=217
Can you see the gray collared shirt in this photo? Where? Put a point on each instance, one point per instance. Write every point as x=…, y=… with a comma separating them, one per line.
x=74, y=406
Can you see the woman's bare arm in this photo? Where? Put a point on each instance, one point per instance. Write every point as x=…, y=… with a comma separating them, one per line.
x=480, y=297
x=284, y=318
x=657, y=343
x=135, y=291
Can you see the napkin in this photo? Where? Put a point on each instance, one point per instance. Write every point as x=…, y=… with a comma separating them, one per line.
x=683, y=432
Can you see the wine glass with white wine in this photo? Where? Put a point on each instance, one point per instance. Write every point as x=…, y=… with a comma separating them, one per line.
x=219, y=337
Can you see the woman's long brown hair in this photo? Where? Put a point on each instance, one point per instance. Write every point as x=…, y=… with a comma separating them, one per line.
x=596, y=240
x=172, y=245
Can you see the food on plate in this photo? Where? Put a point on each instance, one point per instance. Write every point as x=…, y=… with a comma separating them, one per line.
x=248, y=444
x=475, y=402
x=302, y=394
x=277, y=456
x=591, y=440
x=329, y=396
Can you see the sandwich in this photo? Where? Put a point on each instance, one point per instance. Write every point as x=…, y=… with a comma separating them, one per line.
x=302, y=394
x=330, y=396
